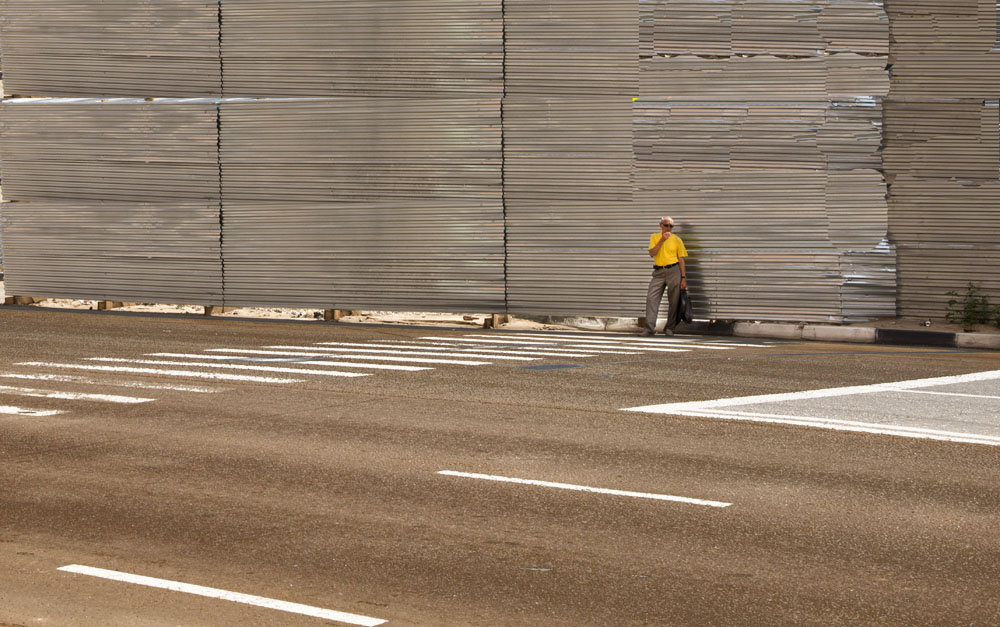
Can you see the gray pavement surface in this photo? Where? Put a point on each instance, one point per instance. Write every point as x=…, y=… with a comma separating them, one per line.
x=328, y=492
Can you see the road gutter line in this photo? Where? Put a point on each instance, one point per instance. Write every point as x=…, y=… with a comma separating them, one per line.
x=215, y=593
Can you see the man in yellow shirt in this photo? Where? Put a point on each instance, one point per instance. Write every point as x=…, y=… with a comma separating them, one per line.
x=668, y=253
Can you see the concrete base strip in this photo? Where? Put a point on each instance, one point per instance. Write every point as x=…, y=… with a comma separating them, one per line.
x=580, y=488
x=225, y=595
x=73, y=396
x=21, y=411
x=219, y=376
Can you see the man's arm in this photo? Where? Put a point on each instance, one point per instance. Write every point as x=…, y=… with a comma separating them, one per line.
x=655, y=249
x=684, y=282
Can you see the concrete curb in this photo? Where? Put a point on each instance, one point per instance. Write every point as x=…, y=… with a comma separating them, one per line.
x=863, y=335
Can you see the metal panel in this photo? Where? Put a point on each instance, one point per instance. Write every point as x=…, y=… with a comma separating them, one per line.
x=110, y=47
x=164, y=252
x=364, y=202
x=94, y=150
x=572, y=71
x=438, y=255
x=358, y=148
x=431, y=48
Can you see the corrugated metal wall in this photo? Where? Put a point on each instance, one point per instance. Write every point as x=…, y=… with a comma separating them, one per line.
x=758, y=127
x=942, y=151
x=501, y=154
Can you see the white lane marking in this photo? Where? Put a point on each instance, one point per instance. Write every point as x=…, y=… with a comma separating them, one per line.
x=525, y=345
x=896, y=386
x=166, y=373
x=322, y=353
x=196, y=364
x=66, y=378
x=638, y=339
x=626, y=343
x=287, y=360
x=225, y=595
x=716, y=409
x=73, y=396
x=527, y=350
x=581, y=488
x=425, y=351
x=847, y=425
x=660, y=349
x=34, y=413
x=949, y=394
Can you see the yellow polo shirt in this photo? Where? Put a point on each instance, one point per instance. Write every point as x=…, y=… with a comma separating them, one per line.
x=671, y=250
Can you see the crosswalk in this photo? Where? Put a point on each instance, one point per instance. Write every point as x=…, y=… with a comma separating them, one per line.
x=283, y=364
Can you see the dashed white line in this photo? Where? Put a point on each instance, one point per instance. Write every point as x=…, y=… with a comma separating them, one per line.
x=225, y=595
x=219, y=376
x=21, y=411
x=72, y=396
x=196, y=364
x=581, y=488
x=66, y=378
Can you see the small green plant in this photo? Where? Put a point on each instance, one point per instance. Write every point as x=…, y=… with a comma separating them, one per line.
x=972, y=308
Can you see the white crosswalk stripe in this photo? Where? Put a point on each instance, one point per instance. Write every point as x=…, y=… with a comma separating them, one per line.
x=195, y=364
x=65, y=378
x=71, y=396
x=526, y=344
x=290, y=360
x=395, y=349
x=640, y=340
x=10, y=410
x=220, y=376
x=418, y=360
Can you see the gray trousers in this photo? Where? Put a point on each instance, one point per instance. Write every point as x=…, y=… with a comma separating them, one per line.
x=668, y=279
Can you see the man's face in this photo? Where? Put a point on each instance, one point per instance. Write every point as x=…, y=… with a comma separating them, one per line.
x=666, y=226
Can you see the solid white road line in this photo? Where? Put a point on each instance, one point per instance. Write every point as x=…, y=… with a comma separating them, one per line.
x=66, y=378
x=225, y=595
x=408, y=349
x=166, y=373
x=949, y=394
x=197, y=364
x=287, y=360
x=580, y=488
x=847, y=425
x=896, y=386
x=523, y=344
x=321, y=353
x=722, y=408
x=20, y=411
x=71, y=396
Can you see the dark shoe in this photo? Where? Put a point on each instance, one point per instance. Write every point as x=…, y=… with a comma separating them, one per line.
x=646, y=333
x=668, y=332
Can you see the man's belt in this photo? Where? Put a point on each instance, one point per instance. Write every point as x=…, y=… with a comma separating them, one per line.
x=656, y=267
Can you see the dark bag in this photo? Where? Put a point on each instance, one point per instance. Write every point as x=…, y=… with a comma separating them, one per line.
x=684, y=307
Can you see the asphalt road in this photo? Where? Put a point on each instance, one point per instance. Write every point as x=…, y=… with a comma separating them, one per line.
x=327, y=492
